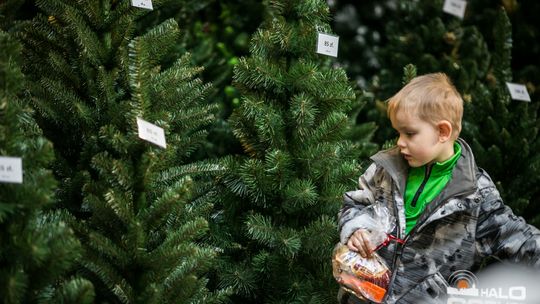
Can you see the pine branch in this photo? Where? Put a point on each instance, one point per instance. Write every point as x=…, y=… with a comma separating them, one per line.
x=192, y=169
x=409, y=72
x=299, y=195
x=106, y=247
x=261, y=229
x=116, y=284
x=76, y=290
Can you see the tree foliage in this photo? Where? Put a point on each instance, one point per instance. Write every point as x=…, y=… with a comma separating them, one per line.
x=140, y=209
x=37, y=249
x=280, y=199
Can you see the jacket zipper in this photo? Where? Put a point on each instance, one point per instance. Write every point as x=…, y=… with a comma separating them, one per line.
x=395, y=257
x=416, y=227
x=401, y=246
x=422, y=185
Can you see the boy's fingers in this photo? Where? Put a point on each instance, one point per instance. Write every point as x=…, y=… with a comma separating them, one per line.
x=363, y=245
x=358, y=243
x=351, y=245
x=366, y=243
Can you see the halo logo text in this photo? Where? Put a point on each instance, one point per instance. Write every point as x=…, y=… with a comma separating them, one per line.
x=464, y=289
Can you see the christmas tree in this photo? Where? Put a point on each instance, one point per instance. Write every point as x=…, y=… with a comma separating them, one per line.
x=525, y=28
x=504, y=132
x=37, y=249
x=141, y=208
x=525, y=31
x=281, y=198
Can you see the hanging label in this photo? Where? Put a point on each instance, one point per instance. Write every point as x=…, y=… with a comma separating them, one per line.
x=327, y=44
x=518, y=91
x=147, y=4
x=455, y=7
x=151, y=133
x=11, y=170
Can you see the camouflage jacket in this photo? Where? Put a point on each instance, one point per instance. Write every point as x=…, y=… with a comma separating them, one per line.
x=465, y=222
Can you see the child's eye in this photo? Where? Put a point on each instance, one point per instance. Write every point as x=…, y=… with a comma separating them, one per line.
x=410, y=133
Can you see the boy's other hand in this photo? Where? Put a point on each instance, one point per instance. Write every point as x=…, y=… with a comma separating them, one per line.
x=359, y=242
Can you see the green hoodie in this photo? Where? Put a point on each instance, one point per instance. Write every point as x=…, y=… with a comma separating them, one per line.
x=424, y=184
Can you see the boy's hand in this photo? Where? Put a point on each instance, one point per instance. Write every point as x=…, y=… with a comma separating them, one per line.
x=359, y=242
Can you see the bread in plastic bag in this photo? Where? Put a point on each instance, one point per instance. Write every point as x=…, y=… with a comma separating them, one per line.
x=366, y=278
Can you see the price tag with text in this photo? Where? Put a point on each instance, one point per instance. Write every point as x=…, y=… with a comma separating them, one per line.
x=147, y=4
x=518, y=91
x=455, y=7
x=11, y=170
x=151, y=133
x=327, y=44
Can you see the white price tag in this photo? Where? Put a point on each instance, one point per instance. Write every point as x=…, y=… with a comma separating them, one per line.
x=455, y=7
x=327, y=44
x=518, y=91
x=151, y=133
x=11, y=170
x=147, y=4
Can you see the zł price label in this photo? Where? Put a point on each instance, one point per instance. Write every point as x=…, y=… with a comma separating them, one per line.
x=147, y=4
x=151, y=133
x=11, y=170
x=518, y=91
x=455, y=7
x=327, y=44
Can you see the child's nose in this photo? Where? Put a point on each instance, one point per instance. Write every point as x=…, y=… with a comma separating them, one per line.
x=401, y=142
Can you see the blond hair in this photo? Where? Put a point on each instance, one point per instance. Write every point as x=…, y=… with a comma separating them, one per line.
x=432, y=98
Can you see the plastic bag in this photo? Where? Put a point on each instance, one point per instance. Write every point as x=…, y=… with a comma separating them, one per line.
x=363, y=277
x=366, y=278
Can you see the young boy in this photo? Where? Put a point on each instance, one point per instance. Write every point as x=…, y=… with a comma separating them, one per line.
x=448, y=211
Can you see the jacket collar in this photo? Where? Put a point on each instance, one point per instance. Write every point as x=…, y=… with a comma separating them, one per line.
x=463, y=176
x=393, y=162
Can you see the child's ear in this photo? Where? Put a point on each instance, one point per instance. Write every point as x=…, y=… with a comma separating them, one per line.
x=445, y=130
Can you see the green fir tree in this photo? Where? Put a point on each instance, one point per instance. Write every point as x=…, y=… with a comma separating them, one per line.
x=504, y=132
x=280, y=200
x=37, y=249
x=141, y=209
x=525, y=35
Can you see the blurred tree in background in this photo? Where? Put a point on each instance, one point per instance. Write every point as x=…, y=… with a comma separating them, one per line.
x=525, y=51
x=14, y=10
x=217, y=37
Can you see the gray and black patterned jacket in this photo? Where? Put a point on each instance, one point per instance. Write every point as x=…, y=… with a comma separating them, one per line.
x=465, y=222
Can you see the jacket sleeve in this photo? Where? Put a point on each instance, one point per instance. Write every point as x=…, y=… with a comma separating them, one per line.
x=351, y=217
x=501, y=233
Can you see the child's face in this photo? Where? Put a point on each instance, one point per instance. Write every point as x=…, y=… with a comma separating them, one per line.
x=418, y=139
